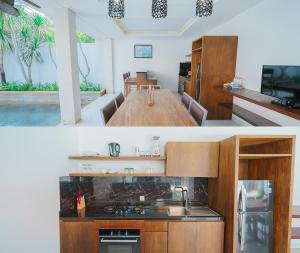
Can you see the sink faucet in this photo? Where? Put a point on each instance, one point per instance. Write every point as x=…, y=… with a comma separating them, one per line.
x=185, y=197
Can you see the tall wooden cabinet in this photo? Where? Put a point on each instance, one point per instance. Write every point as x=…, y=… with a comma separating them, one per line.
x=215, y=57
x=255, y=158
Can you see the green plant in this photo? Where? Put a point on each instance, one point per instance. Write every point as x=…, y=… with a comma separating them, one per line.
x=5, y=43
x=84, y=38
x=15, y=86
x=28, y=32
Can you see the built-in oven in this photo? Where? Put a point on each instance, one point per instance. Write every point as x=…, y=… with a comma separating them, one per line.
x=119, y=240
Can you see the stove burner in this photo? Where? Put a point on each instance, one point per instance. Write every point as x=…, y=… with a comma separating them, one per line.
x=124, y=210
x=109, y=209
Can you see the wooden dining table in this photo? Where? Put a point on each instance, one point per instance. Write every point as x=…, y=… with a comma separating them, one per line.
x=167, y=110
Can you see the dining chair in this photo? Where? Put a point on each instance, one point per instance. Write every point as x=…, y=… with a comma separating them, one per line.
x=186, y=100
x=119, y=99
x=198, y=112
x=131, y=88
x=108, y=111
x=144, y=87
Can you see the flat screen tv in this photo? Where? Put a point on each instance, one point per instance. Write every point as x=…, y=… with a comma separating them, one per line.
x=282, y=82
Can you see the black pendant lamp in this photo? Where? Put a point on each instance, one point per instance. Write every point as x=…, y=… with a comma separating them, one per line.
x=159, y=8
x=116, y=9
x=204, y=8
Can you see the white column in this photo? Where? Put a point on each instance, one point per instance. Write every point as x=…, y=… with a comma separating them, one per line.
x=108, y=66
x=67, y=63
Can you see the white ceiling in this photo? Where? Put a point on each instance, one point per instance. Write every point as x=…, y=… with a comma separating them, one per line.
x=92, y=17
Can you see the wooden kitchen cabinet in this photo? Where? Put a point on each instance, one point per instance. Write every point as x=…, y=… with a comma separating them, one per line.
x=156, y=242
x=78, y=237
x=195, y=237
x=192, y=159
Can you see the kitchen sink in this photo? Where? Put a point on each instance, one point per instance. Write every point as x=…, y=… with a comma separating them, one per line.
x=191, y=211
x=177, y=211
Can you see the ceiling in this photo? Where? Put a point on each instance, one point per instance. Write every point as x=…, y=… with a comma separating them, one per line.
x=92, y=17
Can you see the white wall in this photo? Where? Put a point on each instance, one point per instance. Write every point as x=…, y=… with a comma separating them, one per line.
x=32, y=159
x=268, y=35
x=46, y=72
x=167, y=54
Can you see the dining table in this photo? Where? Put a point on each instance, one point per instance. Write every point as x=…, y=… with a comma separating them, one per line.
x=167, y=110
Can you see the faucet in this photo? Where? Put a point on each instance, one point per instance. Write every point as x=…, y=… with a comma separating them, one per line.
x=185, y=197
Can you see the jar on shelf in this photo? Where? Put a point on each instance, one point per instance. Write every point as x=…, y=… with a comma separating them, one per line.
x=155, y=146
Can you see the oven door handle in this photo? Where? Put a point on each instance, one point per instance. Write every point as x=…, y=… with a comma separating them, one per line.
x=124, y=241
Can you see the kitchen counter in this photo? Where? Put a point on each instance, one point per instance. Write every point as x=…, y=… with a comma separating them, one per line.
x=161, y=213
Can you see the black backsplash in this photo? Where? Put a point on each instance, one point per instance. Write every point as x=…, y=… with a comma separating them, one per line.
x=112, y=190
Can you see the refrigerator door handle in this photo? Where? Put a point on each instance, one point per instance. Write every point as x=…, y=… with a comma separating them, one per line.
x=241, y=231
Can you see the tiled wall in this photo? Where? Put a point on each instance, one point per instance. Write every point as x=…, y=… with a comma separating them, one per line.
x=111, y=190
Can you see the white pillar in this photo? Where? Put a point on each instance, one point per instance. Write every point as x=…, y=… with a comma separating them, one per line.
x=67, y=62
x=108, y=65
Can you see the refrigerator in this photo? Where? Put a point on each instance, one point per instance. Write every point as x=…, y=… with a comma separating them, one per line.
x=255, y=216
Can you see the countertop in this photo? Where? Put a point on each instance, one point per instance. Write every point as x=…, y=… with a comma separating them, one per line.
x=96, y=213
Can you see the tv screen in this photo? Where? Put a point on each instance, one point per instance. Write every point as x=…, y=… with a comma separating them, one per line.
x=185, y=67
x=282, y=82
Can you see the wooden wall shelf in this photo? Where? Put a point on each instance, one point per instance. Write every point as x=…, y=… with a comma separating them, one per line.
x=120, y=158
x=264, y=101
x=83, y=174
x=263, y=156
x=197, y=49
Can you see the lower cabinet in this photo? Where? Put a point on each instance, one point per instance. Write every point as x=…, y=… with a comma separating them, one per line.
x=156, y=236
x=196, y=237
x=156, y=242
x=78, y=237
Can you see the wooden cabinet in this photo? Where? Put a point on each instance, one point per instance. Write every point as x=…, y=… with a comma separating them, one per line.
x=255, y=158
x=214, y=63
x=192, y=159
x=78, y=237
x=195, y=237
x=156, y=242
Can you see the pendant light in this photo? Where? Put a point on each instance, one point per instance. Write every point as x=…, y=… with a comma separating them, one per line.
x=204, y=8
x=116, y=9
x=159, y=8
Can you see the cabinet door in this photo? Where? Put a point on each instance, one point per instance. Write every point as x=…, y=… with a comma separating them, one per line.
x=78, y=237
x=156, y=242
x=192, y=159
x=196, y=237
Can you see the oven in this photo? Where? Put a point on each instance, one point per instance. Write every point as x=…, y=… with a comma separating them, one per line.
x=119, y=240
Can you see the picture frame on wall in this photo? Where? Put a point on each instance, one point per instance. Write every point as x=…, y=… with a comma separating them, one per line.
x=142, y=51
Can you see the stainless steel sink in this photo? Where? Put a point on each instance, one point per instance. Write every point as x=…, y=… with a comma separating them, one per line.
x=191, y=211
x=177, y=211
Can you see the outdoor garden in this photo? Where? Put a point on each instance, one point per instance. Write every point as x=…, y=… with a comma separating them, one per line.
x=28, y=71
x=27, y=38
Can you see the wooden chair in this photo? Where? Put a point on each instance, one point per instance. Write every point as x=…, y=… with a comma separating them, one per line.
x=108, y=111
x=119, y=99
x=144, y=87
x=198, y=112
x=131, y=88
x=186, y=101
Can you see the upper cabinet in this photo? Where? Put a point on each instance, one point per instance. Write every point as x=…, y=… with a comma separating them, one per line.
x=192, y=159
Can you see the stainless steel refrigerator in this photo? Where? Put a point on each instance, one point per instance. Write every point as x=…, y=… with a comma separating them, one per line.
x=255, y=216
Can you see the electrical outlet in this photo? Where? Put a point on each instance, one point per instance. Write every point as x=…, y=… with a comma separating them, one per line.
x=142, y=198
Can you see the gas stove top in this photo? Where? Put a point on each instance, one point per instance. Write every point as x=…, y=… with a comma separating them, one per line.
x=125, y=210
